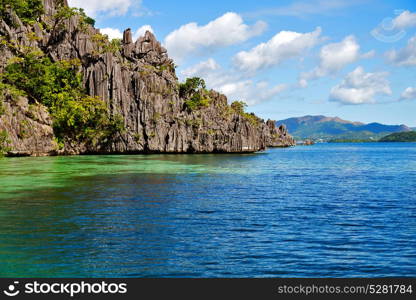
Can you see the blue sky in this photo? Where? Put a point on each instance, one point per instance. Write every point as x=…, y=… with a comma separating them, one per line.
x=353, y=59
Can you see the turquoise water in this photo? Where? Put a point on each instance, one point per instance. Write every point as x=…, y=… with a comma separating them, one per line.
x=339, y=210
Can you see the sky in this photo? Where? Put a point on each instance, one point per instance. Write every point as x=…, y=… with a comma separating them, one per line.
x=355, y=59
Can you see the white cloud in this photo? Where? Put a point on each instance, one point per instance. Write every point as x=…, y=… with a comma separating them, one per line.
x=405, y=56
x=141, y=31
x=409, y=93
x=405, y=20
x=227, y=30
x=251, y=92
x=232, y=84
x=360, y=87
x=334, y=57
x=96, y=7
x=114, y=33
x=203, y=69
x=283, y=46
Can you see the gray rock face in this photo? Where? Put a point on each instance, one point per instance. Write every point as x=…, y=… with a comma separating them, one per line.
x=138, y=83
x=279, y=136
x=29, y=128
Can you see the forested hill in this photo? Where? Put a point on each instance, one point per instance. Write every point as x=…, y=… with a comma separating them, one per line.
x=400, y=137
x=328, y=128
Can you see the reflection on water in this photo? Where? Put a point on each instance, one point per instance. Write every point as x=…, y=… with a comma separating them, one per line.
x=329, y=210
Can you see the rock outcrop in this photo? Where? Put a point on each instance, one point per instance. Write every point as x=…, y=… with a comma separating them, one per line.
x=279, y=136
x=138, y=83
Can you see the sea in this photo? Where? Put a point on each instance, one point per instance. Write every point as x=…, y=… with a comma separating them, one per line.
x=328, y=210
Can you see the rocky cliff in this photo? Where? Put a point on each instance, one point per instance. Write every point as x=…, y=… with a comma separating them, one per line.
x=137, y=82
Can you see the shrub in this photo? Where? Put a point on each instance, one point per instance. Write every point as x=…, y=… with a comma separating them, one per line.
x=4, y=143
x=239, y=108
x=28, y=11
x=58, y=85
x=195, y=94
x=65, y=13
x=7, y=90
x=197, y=101
x=191, y=86
x=86, y=19
x=105, y=45
x=42, y=80
x=2, y=109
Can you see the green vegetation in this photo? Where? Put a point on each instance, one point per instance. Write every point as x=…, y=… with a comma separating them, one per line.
x=333, y=128
x=400, y=137
x=105, y=45
x=239, y=107
x=195, y=93
x=191, y=86
x=2, y=109
x=4, y=141
x=65, y=13
x=7, y=90
x=58, y=86
x=137, y=137
x=28, y=11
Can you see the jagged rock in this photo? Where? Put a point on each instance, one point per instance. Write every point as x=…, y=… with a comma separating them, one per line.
x=29, y=128
x=138, y=83
x=279, y=137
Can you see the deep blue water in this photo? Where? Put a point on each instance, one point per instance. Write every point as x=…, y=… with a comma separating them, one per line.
x=337, y=210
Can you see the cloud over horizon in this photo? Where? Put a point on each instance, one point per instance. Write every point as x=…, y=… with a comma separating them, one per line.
x=359, y=87
x=334, y=57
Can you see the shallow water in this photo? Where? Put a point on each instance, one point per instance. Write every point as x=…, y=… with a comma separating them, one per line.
x=339, y=210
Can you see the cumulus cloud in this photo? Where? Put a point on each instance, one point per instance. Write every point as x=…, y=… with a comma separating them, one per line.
x=360, y=87
x=284, y=45
x=203, y=69
x=251, y=92
x=96, y=7
x=334, y=57
x=114, y=33
x=405, y=20
x=227, y=30
x=141, y=31
x=409, y=93
x=234, y=86
x=405, y=56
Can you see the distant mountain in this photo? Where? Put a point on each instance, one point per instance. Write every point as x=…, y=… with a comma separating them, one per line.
x=328, y=128
x=400, y=137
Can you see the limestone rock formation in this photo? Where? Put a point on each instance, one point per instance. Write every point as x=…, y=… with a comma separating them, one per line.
x=279, y=136
x=138, y=83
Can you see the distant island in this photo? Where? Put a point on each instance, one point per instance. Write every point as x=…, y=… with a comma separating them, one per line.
x=337, y=130
x=400, y=137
